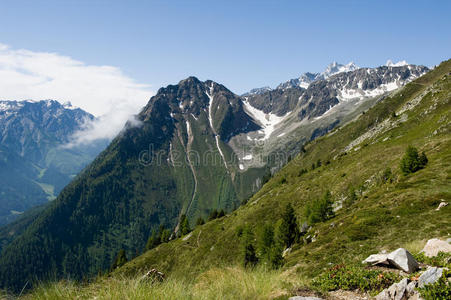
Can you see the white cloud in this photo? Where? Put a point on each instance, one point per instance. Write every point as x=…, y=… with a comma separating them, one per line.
x=103, y=91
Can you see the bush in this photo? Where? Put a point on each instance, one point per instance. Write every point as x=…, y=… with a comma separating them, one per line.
x=387, y=176
x=354, y=277
x=442, y=259
x=352, y=197
x=320, y=210
x=412, y=162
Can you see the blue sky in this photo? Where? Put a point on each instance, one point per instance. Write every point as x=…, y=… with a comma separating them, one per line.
x=242, y=44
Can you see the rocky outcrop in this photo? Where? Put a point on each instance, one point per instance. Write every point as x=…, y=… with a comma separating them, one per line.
x=434, y=246
x=154, y=275
x=403, y=260
x=400, y=259
x=431, y=275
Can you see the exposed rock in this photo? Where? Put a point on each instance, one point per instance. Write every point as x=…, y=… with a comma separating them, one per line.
x=396, y=291
x=286, y=251
x=402, y=290
x=402, y=259
x=442, y=204
x=185, y=238
x=304, y=298
x=377, y=259
x=410, y=289
x=434, y=246
x=431, y=275
x=153, y=275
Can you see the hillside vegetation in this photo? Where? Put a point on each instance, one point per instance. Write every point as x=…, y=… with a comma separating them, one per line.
x=377, y=207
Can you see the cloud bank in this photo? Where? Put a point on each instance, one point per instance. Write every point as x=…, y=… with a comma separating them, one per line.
x=103, y=91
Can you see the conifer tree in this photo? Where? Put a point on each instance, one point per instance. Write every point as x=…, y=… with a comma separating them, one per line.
x=213, y=215
x=120, y=260
x=265, y=241
x=184, y=225
x=153, y=241
x=320, y=210
x=200, y=221
x=288, y=231
x=250, y=258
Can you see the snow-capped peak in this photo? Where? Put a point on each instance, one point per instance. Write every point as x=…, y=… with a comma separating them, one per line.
x=258, y=91
x=305, y=79
x=335, y=68
x=401, y=63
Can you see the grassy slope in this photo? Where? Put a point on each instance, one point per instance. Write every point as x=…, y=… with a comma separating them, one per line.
x=385, y=216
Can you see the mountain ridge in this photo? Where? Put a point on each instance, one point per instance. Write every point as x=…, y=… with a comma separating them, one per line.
x=154, y=171
x=35, y=166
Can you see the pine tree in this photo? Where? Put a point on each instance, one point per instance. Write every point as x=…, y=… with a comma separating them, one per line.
x=184, y=225
x=200, y=221
x=265, y=241
x=153, y=241
x=213, y=215
x=288, y=231
x=320, y=210
x=120, y=260
x=275, y=256
x=165, y=236
x=250, y=258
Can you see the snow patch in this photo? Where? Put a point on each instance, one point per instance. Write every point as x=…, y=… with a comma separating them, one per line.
x=268, y=121
x=401, y=63
x=247, y=157
x=241, y=166
x=348, y=94
x=210, y=119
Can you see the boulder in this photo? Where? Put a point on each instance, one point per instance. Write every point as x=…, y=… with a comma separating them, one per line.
x=400, y=291
x=396, y=291
x=410, y=289
x=153, y=275
x=376, y=259
x=403, y=260
x=185, y=238
x=441, y=205
x=434, y=246
x=431, y=275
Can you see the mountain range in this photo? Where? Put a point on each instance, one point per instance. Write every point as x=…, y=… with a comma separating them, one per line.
x=34, y=164
x=197, y=147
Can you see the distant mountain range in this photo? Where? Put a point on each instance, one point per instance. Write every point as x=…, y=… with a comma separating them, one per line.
x=34, y=165
x=307, y=78
x=197, y=147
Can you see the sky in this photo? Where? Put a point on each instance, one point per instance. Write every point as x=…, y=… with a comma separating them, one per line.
x=110, y=57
